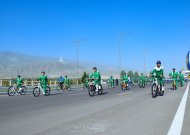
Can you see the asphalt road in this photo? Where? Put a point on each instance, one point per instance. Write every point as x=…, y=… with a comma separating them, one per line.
x=133, y=112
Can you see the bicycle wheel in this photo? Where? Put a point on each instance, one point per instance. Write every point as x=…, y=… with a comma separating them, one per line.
x=11, y=91
x=36, y=92
x=47, y=91
x=154, y=91
x=100, y=91
x=23, y=90
x=91, y=91
x=161, y=91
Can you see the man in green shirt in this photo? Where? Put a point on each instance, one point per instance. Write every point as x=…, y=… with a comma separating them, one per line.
x=174, y=75
x=181, y=78
x=19, y=82
x=43, y=81
x=111, y=81
x=67, y=83
x=142, y=79
x=97, y=78
x=158, y=72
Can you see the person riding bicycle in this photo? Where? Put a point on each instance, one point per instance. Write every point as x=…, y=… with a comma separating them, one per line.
x=19, y=83
x=142, y=80
x=67, y=83
x=43, y=81
x=174, y=75
x=111, y=81
x=130, y=80
x=158, y=72
x=61, y=82
x=97, y=78
x=181, y=78
x=125, y=79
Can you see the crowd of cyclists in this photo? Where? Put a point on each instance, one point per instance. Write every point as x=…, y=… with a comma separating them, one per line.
x=126, y=82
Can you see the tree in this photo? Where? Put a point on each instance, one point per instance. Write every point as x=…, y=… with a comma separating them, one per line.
x=130, y=73
x=136, y=76
x=84, y=76
x=123, y=73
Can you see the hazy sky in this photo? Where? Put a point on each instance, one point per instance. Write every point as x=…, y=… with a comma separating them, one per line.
x=49, y=27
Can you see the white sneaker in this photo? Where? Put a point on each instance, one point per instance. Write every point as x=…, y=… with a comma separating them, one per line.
x=162, y=88
x=19, y=89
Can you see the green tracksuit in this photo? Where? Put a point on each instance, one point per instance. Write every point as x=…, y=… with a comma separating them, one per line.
x=67, y=82
x=181, y=78
x=111, y=81
x=174, y=76
x=43, y=81
x=142, y=78
x=125, y=79
x=19, y=82
x=97, y=78
x=159, y=74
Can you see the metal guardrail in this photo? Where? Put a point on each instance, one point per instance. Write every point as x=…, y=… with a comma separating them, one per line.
x=27, y=82
x=31, y=82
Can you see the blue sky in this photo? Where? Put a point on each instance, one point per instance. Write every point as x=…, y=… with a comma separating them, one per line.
x=49, y=27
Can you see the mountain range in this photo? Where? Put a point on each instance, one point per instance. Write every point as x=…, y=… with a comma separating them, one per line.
x=12, y=64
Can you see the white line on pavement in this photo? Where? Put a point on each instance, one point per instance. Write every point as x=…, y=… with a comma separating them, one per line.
x=125, y=93
x=77, y=94
x=177, y=123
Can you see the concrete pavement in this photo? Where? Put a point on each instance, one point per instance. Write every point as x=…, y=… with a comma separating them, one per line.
x=133, y=112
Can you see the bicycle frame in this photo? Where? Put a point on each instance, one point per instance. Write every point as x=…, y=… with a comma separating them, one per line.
x=40, y=88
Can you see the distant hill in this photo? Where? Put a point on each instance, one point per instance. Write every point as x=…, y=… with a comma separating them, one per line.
x=12, y=64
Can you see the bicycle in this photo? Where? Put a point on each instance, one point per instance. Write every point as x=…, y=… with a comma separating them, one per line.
x=60, y=87
x=92, y=89
x=110, y=85
x=125, y=86
x=39, y=88
x=157, y=88
x=14, y=88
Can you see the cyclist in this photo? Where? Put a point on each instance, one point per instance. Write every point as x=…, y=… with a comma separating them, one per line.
x=111, y=81
x=181, y=78
x=158, y=72
x=97, y=78
x=43, y=81
x=67, y=83
x=19, y=83
x=174, y=75
x=125, y=79
x=142, y=79
x=130, y=80
x=61, y=82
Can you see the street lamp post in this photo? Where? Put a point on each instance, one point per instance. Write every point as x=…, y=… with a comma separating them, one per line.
x=77, y=43
x=121, y=35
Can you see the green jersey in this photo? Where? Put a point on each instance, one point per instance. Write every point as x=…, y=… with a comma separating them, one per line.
x=19, y=81
x=174, y=75
x=43, y=79
x=181, y=76
x=110, y=79
x=67, y=81
x=158, y=72
x=97, y=77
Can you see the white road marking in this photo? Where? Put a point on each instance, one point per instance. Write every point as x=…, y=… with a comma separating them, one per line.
x=125, y=93
x=177, y=123
x=77, y=94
